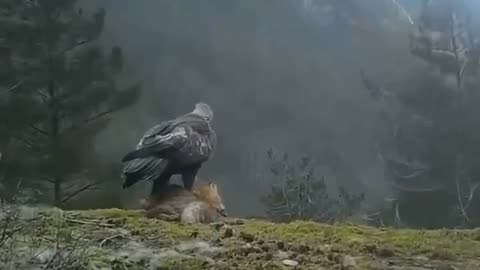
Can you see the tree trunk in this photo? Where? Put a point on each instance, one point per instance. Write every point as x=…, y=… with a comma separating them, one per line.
x=54, y=147
x=54, y=125
x=57, y=192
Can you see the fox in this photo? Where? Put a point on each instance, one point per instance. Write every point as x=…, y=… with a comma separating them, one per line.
x=175, y=203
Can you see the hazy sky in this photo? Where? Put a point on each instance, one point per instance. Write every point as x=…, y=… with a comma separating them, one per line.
x=281, y=74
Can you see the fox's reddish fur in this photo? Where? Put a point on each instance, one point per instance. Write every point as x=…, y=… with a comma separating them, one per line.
x=203, y=205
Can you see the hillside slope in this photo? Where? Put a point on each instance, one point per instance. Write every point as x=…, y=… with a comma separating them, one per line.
x=120, y=239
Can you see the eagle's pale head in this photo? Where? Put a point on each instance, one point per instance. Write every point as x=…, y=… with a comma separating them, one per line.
x=203, y=109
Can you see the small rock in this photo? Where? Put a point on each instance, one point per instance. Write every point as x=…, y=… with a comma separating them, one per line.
x=421, y=258
x=247, y=245
x=319, y=251
x=290, y=263
x=338, y=258
x=303, y=249
x=247, y=237
x=268, y=256
x=476, y=237
x=331, y=256
x=301, y=258
x=445, y=267
x=254, y=257
x=348, y=263
x=292, y=254
x=385, y=252
x=247, y=249
x=282, y=255
x=235, y=222
x=221, y=264
x=335, y=248
x=371, y=248
x=45, y=256
x=280, y=245
x=228, y=232
x=218, y=225
x=208, y=261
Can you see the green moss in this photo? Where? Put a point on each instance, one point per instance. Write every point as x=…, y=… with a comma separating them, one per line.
x=135, y=221
x=109, y=213
x=182, y=263
x=98, y=258
x=355, y=238
x=350, y=237
x=461, y=246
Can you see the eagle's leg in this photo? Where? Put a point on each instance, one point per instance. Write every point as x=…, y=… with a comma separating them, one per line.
x=188, y=177
x=160, y=183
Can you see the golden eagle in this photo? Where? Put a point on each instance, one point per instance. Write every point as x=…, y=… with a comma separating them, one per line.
x=178, y=146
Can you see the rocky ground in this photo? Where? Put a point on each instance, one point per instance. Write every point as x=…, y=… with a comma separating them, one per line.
x=119, y=239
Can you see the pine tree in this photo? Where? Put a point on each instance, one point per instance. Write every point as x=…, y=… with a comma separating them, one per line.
x=297, y=193
x=66, y=83
x=432, y=156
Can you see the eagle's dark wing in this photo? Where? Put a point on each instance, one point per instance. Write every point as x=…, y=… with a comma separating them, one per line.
x=148, y=168
x=159, y=146
x=160, y=129
x=142, y=169
x=166, y=137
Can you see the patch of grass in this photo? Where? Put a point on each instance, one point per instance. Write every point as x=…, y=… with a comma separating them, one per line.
x=109, y=213
x=356, y=239
x=182, y=263
x=135, y=221
x=351, y=237
x=254, y=244
x=98, y=259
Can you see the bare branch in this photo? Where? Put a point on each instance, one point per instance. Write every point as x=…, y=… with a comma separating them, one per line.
x=80, y=190
x=417, y=189
x=409, y=176
x=76, y=45
x=97, y=223
x=39, y=130
x=99, y=115
x=404, y=11
x=41, y=94
x=455, y=45
x=15, y=86
x=461, y=204
x=398, y=219
x=24, y=141
x=471, y=194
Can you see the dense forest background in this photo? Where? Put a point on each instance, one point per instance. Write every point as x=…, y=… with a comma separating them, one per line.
x=325, y=109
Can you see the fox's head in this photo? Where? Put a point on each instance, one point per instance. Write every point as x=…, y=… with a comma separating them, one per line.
x=209, y=194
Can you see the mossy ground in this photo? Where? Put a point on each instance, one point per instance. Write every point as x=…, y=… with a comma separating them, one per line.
x=120, y=239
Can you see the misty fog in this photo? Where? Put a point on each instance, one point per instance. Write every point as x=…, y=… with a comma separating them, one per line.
x=380, y=94
x=282, y=74
x=345, y=134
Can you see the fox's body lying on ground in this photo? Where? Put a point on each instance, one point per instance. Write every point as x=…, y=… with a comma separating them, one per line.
x=202, y=205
